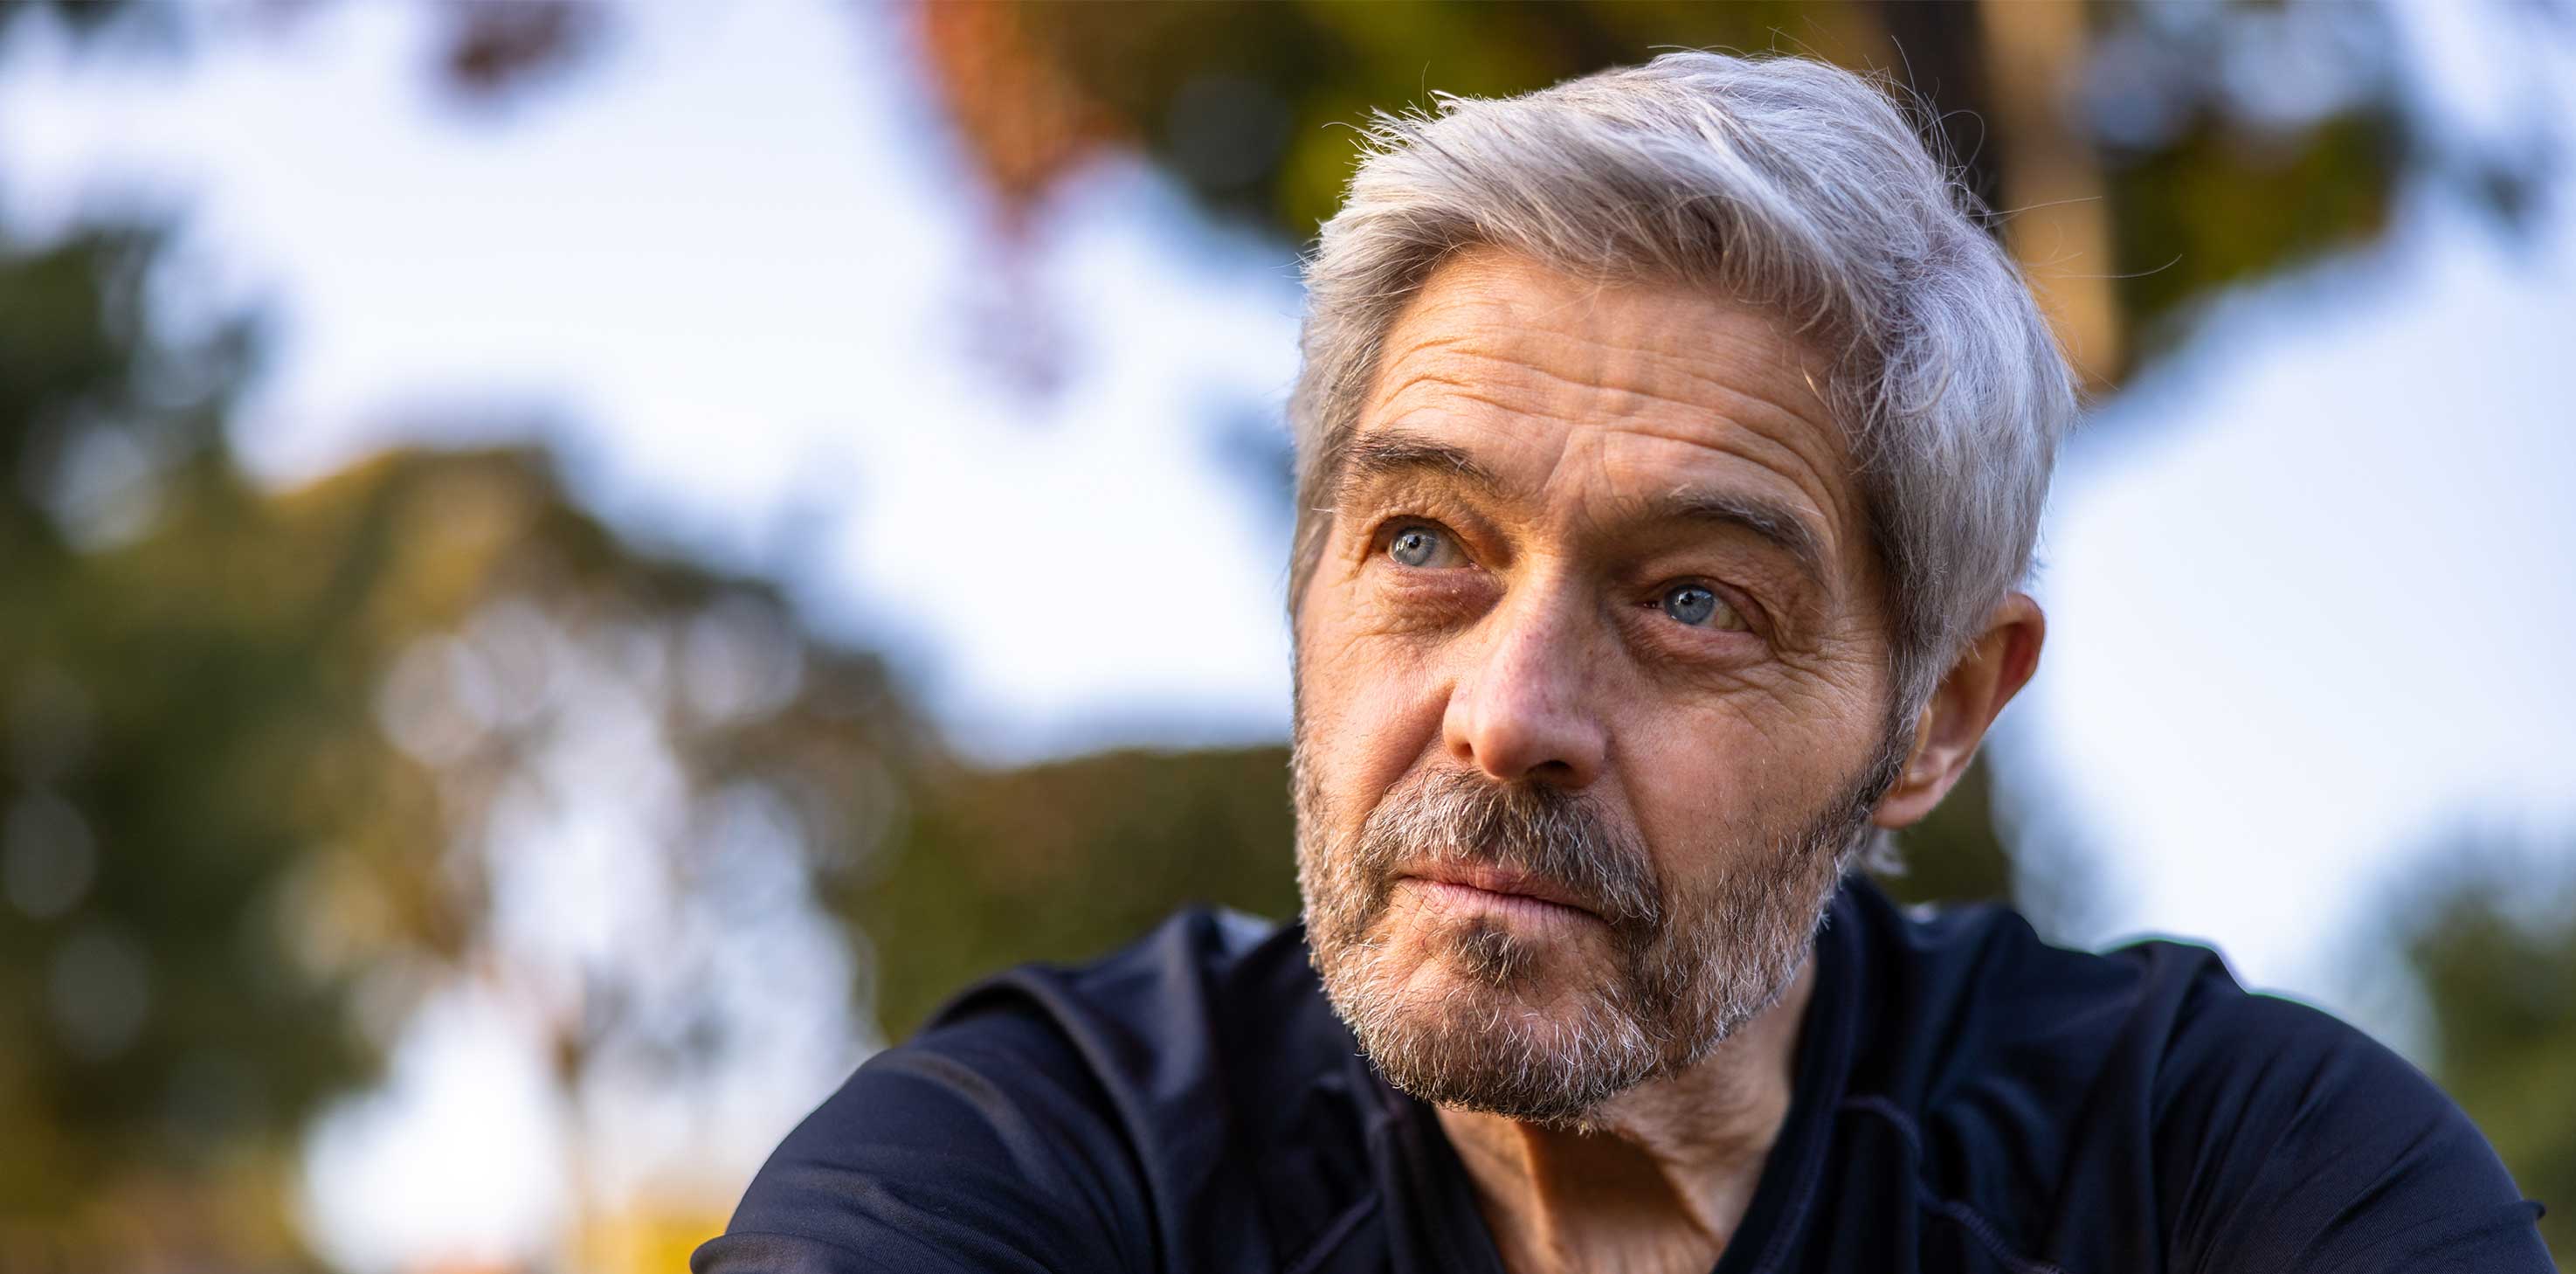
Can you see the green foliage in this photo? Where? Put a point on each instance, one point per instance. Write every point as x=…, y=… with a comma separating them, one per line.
x=2215, y=207
x=1960, y=854
x=2494, y=947
x=1954, y=856
x=151, y=1023
x=1251, y=103
x=255, y=746
x=1068, y=860
x=1245, y=100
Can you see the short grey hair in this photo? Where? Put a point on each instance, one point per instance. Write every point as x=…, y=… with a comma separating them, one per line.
x=1776, y=181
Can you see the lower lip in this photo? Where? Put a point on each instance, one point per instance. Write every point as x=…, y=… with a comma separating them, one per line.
x=1446, y=895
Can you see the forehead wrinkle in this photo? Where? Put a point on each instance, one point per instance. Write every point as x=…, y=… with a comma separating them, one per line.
x=1629, y=397
x=1766, y=421
x=1735, y=437
x=1673, y=328
x=1455, y=388
x=1770, y=408
x=1808, y=494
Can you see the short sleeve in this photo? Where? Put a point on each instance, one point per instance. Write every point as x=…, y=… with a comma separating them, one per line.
x=982, y=1145
x=2289, y=1141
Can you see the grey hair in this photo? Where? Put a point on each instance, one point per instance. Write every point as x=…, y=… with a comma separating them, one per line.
x=1777, y=181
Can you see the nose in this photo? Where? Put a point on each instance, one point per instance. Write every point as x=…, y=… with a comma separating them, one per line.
x=1524, y=709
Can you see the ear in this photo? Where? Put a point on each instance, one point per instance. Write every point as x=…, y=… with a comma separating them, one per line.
x=1994, y=668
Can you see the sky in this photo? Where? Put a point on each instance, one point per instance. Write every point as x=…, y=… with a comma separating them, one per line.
x=733, y=268
x=2308, y=579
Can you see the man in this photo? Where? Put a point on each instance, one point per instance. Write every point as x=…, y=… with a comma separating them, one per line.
x=1671, y=448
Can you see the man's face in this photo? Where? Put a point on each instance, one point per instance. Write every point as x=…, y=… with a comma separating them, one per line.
x=1592, y=699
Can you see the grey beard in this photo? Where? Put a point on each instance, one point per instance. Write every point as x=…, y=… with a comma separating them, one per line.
x=1689, y=971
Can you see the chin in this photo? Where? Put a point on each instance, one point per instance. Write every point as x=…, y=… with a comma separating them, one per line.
x=1486, y=1049
x=1477, y=1014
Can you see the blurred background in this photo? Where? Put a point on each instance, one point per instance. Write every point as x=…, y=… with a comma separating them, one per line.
x=567, y=571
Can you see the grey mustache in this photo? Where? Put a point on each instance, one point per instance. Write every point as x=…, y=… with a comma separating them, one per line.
x=1546, y=832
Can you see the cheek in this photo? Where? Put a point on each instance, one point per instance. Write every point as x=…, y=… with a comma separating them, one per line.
x=1368, y=713
x=1724, y=779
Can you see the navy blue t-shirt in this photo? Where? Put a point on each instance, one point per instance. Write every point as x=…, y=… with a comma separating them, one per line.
x=1967, y=1098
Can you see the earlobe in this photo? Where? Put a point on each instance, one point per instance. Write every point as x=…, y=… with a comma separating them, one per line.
x=1993, y=669
x=1920, y=785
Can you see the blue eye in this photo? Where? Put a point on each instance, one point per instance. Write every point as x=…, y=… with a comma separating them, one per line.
x=1416, y=546
x=1701, y=607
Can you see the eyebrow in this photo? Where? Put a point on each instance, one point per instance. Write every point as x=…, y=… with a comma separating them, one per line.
x=1394, y=454
x=1382, y=456
x=1769, y=520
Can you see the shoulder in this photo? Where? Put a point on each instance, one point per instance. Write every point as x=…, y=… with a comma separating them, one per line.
x=1971, y=997
x=1078, y=1115
x=2287, y=1139
x=2146, y=1092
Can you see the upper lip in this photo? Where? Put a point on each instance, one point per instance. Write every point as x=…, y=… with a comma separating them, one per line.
x=1499, y=880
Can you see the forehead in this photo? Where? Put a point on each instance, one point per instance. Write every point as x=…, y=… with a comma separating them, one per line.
x=1576, y=392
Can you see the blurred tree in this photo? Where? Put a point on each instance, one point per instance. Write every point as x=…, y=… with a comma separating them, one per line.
x=121, y=953
x=1067, y=860
x=272, y=760
x=490, y=51
x=2143, y=154
x=1962, y=853
x=1953, y=855
x=2491, y=933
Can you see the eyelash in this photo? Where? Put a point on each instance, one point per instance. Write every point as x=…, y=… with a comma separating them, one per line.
x=1757, y=622
x=1382, y=540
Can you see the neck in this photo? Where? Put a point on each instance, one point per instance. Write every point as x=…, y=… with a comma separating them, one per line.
x=1661, y=1176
